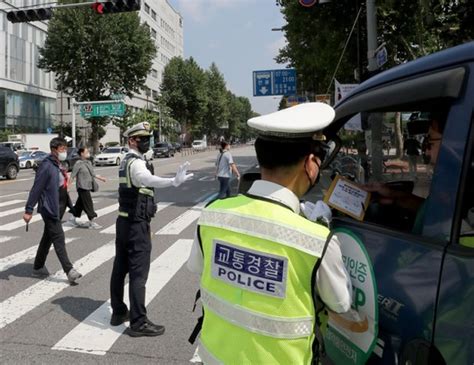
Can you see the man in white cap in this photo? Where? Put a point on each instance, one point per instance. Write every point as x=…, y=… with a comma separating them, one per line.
x=261, y=262
x=137, y=205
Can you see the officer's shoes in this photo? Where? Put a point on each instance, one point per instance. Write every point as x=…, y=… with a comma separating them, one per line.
x=118, y=319
x=146, y=329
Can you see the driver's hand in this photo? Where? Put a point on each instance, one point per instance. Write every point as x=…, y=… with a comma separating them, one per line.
x=385, y=195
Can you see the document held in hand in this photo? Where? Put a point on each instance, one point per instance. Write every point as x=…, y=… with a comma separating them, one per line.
x=347, y=197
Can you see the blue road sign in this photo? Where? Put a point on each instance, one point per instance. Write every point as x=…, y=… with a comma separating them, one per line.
x=381, y=57
x=274, y=82
x=49, y=130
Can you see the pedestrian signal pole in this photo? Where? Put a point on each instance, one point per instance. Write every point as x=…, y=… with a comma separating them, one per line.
x=99, y=7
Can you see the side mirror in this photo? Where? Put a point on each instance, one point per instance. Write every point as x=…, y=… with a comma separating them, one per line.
x=334, y=145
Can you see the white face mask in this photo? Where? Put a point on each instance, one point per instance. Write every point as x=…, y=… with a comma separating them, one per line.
x=87, y=156
x=62, y=156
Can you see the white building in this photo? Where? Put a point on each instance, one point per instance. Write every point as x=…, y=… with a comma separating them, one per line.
x=27, y=93
x=166, y=28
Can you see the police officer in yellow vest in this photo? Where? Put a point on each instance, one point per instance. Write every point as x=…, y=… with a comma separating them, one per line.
x=137, y=205
x=261, y=261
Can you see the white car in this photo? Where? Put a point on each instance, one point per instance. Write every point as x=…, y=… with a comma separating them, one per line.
x=111, y=156
x=28, y=159
x=199, y=145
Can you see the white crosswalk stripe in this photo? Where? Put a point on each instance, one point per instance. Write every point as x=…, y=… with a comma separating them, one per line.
x=24, y=255
x=111, y=229
x=179, y=224
x=100, y=213
x=7, y=238
x=11, y=202
x=94, y=335
x=11, y=211
x=18, y=305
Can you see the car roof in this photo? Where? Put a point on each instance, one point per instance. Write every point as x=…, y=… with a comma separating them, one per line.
x=427, y=65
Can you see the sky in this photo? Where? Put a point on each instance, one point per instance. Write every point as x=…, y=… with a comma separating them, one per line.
x=237, y=36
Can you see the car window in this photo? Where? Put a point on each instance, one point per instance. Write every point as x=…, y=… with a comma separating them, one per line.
x=400, y=155
x=466, y=229
x=111, y=150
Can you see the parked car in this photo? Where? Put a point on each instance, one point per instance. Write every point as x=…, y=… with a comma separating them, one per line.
x=199, y=145
x=163, y=149
x=111, y=156
x=418, y=287
x=9, y=165
x=14, y=146
x=29, y=159
x=177, y=146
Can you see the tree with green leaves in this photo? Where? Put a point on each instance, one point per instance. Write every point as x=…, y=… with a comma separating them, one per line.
x=183, y=90
x=217, y=110
x=94, y=56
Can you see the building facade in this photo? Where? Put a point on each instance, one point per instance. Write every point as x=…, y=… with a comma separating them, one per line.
x=27, y=93
x=28, y=98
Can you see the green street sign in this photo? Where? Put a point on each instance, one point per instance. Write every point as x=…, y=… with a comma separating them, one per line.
x=102, y=110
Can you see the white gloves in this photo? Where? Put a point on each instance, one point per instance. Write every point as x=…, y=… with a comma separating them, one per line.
x=181, y=175
x=315, y=211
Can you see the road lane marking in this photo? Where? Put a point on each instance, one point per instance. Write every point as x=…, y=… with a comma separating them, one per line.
x=94, y=335
x=24, y=255
x=8, y=195
x=179, y=224
x=7, y=238
x=11, y=211
x=11, y=202
x=36, y=218
x=5, y=182
x=20, y=304
x=111, y=229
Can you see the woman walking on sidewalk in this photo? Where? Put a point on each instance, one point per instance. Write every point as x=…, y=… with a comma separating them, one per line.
x=85, y=176
x=225, y=166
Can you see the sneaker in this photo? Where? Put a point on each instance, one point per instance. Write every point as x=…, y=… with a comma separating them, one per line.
x=93, y=225
x=118, y=319
x=73, y=275
x=40, y=273
x=72, y=221
x=148, y=329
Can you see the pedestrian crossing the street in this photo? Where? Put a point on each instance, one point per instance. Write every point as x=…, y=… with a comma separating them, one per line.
x=92, y=334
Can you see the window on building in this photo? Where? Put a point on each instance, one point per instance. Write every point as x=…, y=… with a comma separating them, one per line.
x=153, y=34
x=154, y=73
x=147, y=8
x=155, y=94
x=181, y=22
x=153, y=15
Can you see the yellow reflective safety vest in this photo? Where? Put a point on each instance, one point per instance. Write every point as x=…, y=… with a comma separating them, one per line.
x=260, y=262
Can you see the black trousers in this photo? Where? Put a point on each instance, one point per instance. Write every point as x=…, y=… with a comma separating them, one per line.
x=53, y=234
x=64, y=202
x=84, y=203
x=132, y=256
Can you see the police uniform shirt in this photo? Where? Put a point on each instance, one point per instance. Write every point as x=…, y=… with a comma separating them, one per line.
x=142, y=177
x=332, y=280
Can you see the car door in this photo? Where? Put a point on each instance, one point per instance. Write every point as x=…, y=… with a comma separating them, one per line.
x=406, y=247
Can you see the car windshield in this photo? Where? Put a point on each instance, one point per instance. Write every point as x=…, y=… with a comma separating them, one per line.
x=25, y=154
x=197, y=143
x=111, y=150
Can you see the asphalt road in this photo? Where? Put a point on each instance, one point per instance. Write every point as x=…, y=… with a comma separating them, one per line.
x=49, y=321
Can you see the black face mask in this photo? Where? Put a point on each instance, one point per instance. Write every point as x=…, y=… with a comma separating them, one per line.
x=143, y=144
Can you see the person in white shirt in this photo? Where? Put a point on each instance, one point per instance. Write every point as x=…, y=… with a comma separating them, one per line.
x=225, y=167
x=290, y=150
x=137, y=205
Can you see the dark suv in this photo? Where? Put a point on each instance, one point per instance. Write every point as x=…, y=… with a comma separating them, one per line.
x=163, y=149
x=9, y=165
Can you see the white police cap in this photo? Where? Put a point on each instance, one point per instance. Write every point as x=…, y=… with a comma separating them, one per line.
x=300, y=121
x=140, y=129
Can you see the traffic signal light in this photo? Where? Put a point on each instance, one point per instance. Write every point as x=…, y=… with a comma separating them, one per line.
x=116, y=6
x=31, y=15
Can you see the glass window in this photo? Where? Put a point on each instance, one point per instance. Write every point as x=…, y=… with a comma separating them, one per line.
x=147, y=8
x=155, y=94
x=466, y=233
x=396, y=149
x=154, y=73
x=153, y=34
x=153, y=15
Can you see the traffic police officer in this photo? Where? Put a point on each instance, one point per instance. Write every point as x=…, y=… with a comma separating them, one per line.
x=137, y=205
x=261, y=261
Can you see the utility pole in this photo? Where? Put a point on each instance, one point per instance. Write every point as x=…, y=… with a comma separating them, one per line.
x=376, y=119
